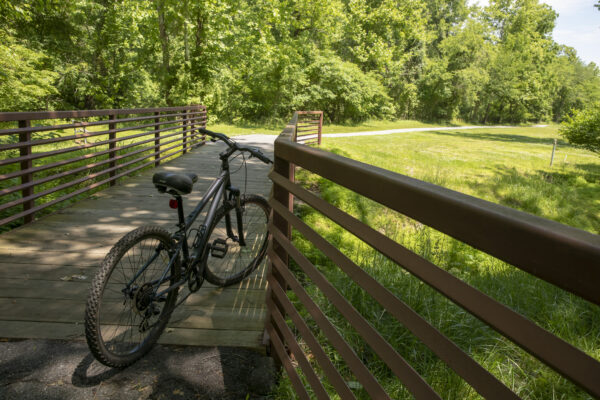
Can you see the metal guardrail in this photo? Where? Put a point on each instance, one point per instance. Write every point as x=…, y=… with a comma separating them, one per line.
x=165, y=132
x=309, y=127
x=566, y=257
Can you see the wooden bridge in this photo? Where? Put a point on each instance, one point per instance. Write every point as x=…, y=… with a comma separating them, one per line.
x=46, y=266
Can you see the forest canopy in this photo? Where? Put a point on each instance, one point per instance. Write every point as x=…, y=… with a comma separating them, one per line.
x=262, y=59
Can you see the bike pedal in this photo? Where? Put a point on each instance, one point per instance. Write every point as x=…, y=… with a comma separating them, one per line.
x=218, y=248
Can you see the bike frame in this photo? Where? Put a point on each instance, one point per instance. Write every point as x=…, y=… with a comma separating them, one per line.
x=215, y=192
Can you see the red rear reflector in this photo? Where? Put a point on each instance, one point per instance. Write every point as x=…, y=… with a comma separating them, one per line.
x=173, y=203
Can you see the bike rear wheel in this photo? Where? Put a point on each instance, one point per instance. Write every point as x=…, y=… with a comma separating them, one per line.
x=235, y=262
x=123, y=319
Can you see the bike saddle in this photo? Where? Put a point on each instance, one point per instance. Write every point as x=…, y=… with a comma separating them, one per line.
x=174, y=183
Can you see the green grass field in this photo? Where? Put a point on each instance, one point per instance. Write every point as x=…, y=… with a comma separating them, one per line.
x=275, y=129
x=505, y=166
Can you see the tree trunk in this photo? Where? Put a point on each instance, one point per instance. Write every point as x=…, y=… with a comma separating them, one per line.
x=185, y=31
x=164, y=43
x=199, y=33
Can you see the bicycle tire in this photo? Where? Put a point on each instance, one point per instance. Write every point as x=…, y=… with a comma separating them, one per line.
x=119, y=267
x=238, y=262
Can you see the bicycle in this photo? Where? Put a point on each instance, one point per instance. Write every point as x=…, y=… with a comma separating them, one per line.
x=135, y=290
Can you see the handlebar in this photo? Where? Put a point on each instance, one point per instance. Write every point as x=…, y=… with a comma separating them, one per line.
x=233, y=145
x=216, y=135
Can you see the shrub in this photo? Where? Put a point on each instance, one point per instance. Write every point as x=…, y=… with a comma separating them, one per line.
x=582, y=128
x=344, y=92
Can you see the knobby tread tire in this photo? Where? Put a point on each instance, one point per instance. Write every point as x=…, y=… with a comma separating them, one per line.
x=220, y=281
x=92, y=322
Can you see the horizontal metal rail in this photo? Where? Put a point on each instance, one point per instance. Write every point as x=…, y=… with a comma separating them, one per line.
x=536, y=245
x=90, y=166
x=170, y=128
x=540, y=247
x=85, y=189
x=35, y=156
x=41, y=142
x=330, y=371
x=44, y=167
x=38, y=115
x=361, y=372
x=86, y=124
x=309, y=127
x=80, y=180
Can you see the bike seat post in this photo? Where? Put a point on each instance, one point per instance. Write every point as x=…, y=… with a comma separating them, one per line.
x=180, y=211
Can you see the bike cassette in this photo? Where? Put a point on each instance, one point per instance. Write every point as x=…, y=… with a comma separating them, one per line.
x=218, y=248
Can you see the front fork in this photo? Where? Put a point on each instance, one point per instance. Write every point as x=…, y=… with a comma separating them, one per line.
x=234, y=198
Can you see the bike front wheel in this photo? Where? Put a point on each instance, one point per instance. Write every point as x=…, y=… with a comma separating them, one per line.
x=123, y=316
x=227, y=261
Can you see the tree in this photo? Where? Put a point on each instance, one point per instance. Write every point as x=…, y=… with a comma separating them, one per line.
x=518, y=89
x=575, y=83
x=583, y=128
x=260, y=60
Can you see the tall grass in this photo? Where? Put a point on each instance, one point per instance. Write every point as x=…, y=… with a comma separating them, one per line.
x=470, y=162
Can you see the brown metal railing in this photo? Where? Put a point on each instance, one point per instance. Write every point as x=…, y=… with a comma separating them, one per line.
x=309, y=126
x=99, y=146
x=566, y=257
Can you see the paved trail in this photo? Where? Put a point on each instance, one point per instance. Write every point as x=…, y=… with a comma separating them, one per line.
x=65, y=370
x=268, y=139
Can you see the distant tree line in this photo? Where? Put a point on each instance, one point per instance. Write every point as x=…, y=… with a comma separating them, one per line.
x=261, y=59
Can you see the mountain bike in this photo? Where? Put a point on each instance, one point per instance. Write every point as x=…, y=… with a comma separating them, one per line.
x=135, y=290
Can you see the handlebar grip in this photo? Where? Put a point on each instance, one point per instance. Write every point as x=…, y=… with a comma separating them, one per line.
x=263, y=158
x=255, y=151
x=235, y=146
x=215, y=135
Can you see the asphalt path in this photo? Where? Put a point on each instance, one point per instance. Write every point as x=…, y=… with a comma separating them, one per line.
x=269, y=139
x=64, y=370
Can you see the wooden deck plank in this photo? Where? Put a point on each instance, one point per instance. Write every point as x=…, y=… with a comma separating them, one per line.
x=53, y=272
x=64, y=311
x=36, y=260
x=179, y=336
x=58, y=289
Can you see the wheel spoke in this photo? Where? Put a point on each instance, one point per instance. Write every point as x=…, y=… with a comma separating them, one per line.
x=239, y=261
x=120, y=314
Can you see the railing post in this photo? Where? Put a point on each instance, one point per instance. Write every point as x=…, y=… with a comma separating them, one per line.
x=320, y=126
x=156, y=139
x=286, y=169
x=193, y=126
x=204, y=123
x=184, y=126
x=26, y=164
x=112, y=154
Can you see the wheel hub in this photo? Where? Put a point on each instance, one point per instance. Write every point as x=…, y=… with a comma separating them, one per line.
x=142, y=297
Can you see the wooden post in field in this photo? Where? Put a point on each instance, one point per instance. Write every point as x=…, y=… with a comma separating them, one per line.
x=553, y=150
